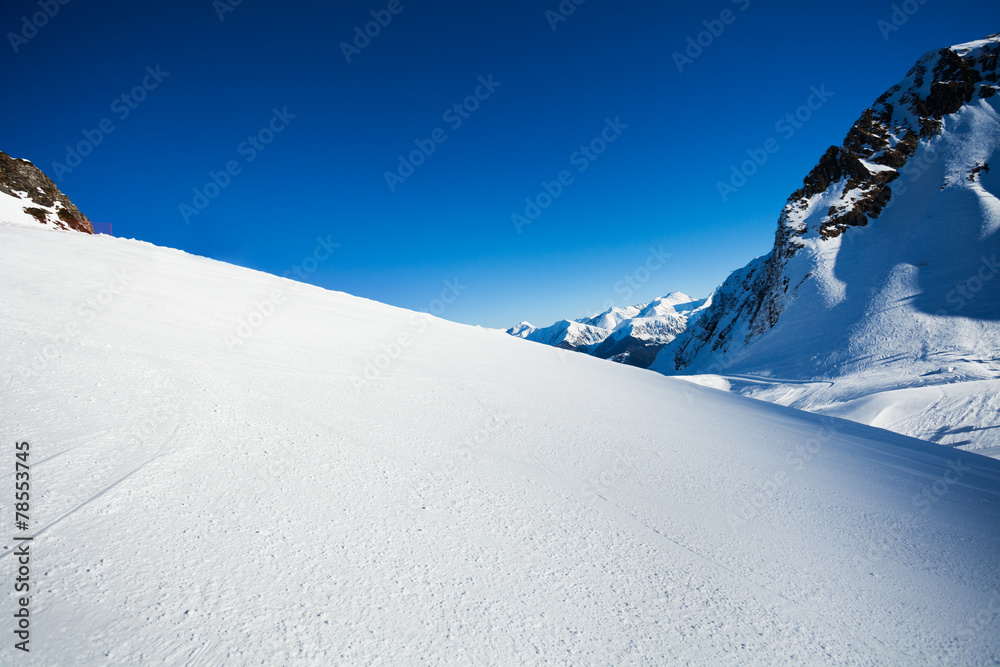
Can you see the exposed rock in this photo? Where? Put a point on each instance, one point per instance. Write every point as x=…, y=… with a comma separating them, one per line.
x=835, y=164
x=21, y=179
x=978, y=168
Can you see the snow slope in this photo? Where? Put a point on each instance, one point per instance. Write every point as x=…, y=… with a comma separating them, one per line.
x=466, y=498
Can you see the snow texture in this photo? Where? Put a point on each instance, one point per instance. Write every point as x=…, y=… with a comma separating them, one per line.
x=309, y=493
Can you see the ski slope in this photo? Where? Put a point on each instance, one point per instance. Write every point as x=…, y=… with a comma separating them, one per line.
x=209, y=493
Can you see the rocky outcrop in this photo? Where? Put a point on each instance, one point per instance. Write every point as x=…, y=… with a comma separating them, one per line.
x=42, y=199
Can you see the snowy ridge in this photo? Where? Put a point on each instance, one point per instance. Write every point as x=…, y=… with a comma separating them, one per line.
x=632, y=335
x=480, y=501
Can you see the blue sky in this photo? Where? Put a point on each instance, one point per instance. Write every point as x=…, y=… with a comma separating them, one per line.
x=300, y=140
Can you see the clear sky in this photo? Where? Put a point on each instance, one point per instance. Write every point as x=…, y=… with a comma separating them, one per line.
x=265, y=90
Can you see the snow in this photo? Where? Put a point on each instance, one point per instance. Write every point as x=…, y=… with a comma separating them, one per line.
x=521, y=330
x=612, y=318
x=12, y=211
x=875, y=168
x=674, y=306
x=975, y=45
x=563, y=333
x=478, y=499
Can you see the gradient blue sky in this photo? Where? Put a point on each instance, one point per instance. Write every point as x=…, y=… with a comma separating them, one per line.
x=323, y=175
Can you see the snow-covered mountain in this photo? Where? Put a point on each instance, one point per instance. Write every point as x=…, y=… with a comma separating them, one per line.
x=228, y=467
x=29, y=197
x=632, y=335
x=889, y=247
x=880, y=300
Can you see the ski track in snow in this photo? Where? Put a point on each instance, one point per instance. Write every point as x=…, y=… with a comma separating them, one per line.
x=37, y=532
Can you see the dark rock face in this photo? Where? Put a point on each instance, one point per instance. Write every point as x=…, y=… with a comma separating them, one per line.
x=18, y=177
x=835, y=164
x=954, y=84
x=974, y=174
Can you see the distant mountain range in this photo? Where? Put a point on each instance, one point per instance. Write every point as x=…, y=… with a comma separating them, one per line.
x=880, y=300
x=632, y=335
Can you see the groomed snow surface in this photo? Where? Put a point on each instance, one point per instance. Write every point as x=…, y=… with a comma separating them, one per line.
x=471, y=498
